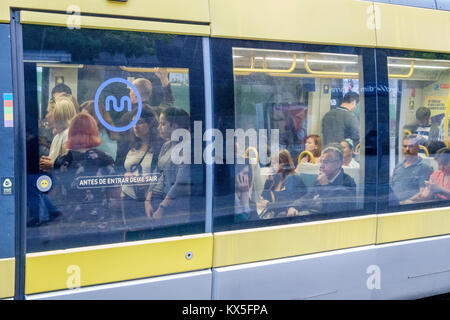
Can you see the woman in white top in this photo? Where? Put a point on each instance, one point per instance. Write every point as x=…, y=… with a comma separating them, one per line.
x=347, y=153
x=141, y=159
x=59, y=113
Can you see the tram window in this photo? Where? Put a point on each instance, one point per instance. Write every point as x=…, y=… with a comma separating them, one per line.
x=304, y=152
x=99, y=117
x=419, y=157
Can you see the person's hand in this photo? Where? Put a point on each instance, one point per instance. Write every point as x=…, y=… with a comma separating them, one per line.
x=242, y=188
x=292, y=212
x=158, y=213
x=148, y=209
x=129, y=174
x=163, y=75
x=45, y=163
x=304, y=160
x=322, y=179
x=262, y=204
x=434, y=187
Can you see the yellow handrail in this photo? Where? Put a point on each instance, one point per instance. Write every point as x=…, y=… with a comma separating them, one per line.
x=254, y=150
x=404, y=76
x=308, y=69
x=425, y=149
x=170, y=70
x=311, y=156
x=357, y=148
x=265, y=69
x=307, y=75
x=407, y=132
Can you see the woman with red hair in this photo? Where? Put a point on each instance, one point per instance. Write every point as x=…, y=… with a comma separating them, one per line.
x=84, y=204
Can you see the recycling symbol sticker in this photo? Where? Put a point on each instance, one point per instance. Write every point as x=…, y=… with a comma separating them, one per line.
x=7, y=186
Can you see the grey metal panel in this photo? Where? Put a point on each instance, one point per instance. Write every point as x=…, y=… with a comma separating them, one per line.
x=407, y=270
x=443, y=4
x=184, y=286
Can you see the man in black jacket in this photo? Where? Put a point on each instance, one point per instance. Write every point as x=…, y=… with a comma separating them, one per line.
x=334, y=190
x=341, y=123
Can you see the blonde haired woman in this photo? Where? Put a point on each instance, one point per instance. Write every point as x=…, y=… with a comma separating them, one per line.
x=59, y=113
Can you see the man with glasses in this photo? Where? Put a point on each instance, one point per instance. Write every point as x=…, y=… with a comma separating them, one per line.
x=334, y=190
x=410, y=175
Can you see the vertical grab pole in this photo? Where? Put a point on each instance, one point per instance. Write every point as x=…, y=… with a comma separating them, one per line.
x=20, y=168
x=447, y=111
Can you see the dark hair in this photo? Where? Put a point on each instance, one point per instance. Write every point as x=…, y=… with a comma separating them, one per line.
x=443, y=156
x=350, y=97
x=175, y=115
x=434, y=146
x=423, y=113
x=155, y=142
x=61, y=87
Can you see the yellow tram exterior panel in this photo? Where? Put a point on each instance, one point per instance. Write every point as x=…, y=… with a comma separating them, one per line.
x=410, y=28
x=63, y=269
x=7, y=272
x=192, y=10
x=251, y=245
x=41, y=18
x=413, y=225
x=344, y=22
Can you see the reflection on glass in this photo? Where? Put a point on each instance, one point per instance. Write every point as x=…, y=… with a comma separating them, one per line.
x=104, y=142
x=418, y=95
x=313, y=101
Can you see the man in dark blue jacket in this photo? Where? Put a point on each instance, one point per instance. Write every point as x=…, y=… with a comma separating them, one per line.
x=334, y=190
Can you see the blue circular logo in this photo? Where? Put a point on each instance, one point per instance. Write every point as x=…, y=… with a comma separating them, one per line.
x=112, y=101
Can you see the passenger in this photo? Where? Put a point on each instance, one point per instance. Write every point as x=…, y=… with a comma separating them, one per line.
x=169, y=196
x=314, y=145
x=341, y=123
x=109, y=143
x=334, y=190
x=438, y=186
x=433, y=146
x=282, y=188
x=84, y=206
x=422, y=127
x=60, y=89
x=244, y=208
x=72, y=98
x=145, y=88
x=411, y=173
x=58, y=116
x=347, y=152
x=141, y=160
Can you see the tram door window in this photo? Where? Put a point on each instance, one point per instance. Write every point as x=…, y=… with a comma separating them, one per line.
x=419, y=101
x=100, y=108
x=303, y=152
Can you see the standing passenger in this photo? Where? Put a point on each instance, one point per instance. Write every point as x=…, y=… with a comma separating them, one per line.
x=341, y=123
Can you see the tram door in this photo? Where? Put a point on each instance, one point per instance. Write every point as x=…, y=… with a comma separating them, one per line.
x=104, y=198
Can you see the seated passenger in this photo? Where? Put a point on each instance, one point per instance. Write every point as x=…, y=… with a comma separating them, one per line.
x=59, y=114
x=109, y=143
x=244, y=208
x=314, y=145
x=438, y=187
x=141, y=159
x=423, y=128
x=347, y=152
x=411, y=173
x=334, y=189
x=169, y=196
x=281, y=188
x=83, y=203
x=434, y=146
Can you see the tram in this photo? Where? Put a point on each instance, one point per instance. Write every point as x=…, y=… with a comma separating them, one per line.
x=94, y=208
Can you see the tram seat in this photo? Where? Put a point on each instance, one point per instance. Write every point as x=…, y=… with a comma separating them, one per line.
x=308, y=172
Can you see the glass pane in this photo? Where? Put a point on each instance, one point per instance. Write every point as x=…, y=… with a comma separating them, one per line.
x=303, y=151
x=101, y=107
x=419, y=159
